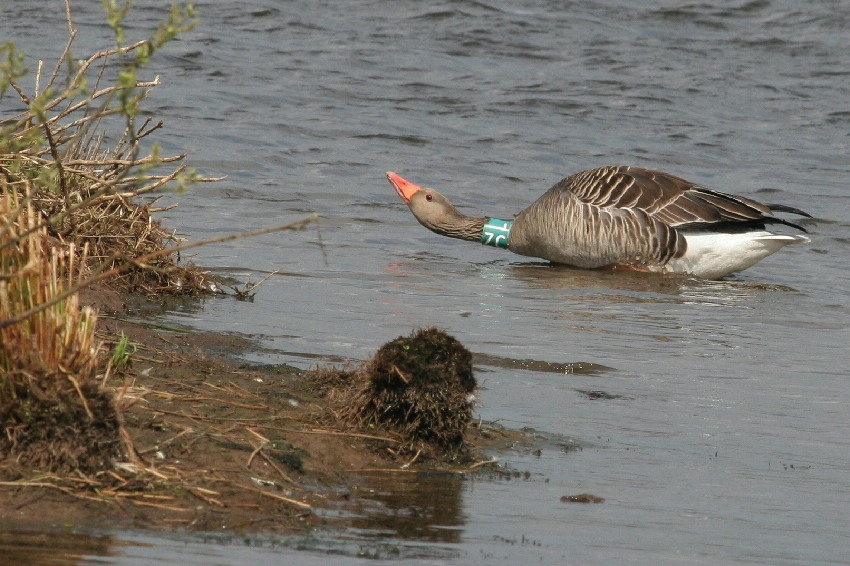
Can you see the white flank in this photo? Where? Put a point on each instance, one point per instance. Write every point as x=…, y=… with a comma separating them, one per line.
x=712, y=255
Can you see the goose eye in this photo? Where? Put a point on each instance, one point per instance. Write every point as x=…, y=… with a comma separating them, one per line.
x=429, y=197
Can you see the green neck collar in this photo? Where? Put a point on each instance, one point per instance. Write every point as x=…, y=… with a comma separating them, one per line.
x=496, y=233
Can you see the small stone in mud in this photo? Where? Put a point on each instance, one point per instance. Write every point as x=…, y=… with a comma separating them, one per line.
x=582, y=498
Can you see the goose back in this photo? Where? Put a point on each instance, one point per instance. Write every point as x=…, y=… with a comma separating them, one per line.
x=626, y=215
x=667, y=198
x=561, y=228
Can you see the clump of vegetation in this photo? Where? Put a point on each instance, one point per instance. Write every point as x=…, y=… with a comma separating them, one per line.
x=68, y=218
x=419, y=386
x=54, y=413
x=56, y=155
x=74, y=162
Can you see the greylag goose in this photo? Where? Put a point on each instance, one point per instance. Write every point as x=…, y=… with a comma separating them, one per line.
x=621, y=217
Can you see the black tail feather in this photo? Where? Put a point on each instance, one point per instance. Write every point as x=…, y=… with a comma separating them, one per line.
x=745, y=225
x=775, y=220
x=788, y=209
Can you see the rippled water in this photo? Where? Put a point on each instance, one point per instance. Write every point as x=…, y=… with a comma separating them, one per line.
x=714, y=422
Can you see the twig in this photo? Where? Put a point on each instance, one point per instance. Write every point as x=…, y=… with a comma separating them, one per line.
x=140, y=261
x=483, y=463
x=65, y=490
x=202, y=493
x=168, y=441
x=386, y=470
x=295, y=502
x=259, y=436
x=253, y=454
x=160, y=506
x=246, y=292
x=271, y=463
x=331, y=433
x=410, y=463
x=225, y=401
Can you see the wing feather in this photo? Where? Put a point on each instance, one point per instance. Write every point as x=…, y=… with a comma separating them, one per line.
x=664, y=197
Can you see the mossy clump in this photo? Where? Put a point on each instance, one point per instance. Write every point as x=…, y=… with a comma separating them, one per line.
x=421, y=387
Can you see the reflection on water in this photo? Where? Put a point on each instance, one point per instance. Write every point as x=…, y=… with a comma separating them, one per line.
x=550, y=276
x=583, y=368
x=413, y=506
x=626, y=285
x=398, y=514
x=53, y=546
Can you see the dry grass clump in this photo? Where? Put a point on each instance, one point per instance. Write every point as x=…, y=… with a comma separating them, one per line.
x=115, y=227
x=418, y=387
x=74, y=164
x=54, y=414
x=68, y=218
x=54, y=155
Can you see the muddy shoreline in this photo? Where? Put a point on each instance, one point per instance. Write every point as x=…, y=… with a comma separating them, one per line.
x=226, y=447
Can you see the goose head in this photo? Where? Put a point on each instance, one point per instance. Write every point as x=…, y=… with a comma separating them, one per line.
x=435, y=211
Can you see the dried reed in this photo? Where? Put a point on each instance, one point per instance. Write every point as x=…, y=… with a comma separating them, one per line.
x=67, y=217
x=50, y=404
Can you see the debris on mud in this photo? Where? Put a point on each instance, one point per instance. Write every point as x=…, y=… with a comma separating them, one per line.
x=417, y=388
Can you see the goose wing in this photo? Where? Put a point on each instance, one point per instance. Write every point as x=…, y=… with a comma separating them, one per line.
x=665, y=198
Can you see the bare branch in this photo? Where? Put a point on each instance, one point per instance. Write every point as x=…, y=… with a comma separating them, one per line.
x=102, y=273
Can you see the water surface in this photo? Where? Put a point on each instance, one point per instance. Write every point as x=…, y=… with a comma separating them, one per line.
x=721, y=436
